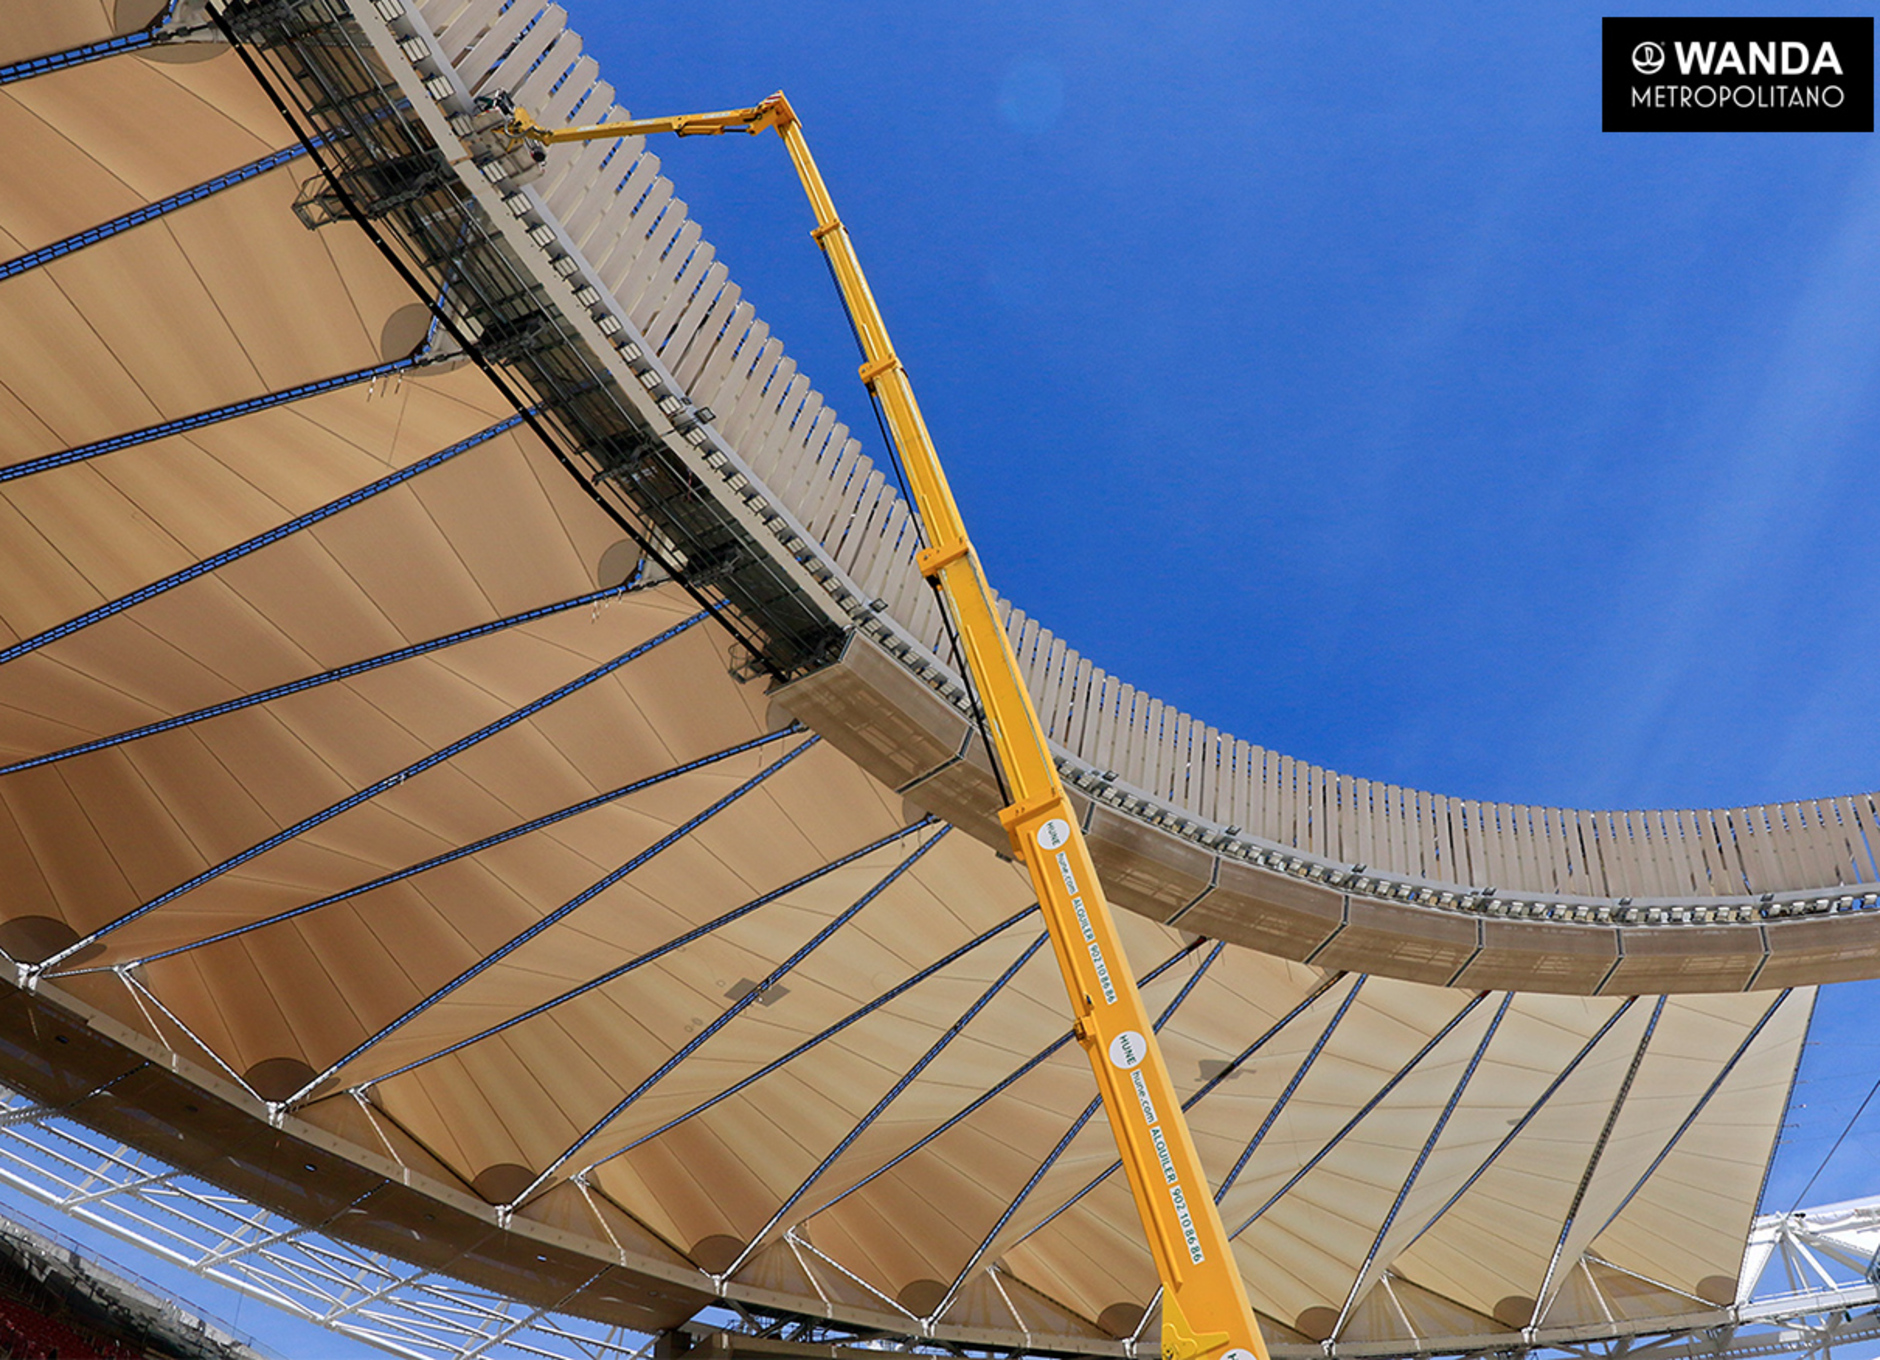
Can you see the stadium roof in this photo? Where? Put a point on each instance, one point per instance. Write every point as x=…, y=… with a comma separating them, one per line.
x=480, y=774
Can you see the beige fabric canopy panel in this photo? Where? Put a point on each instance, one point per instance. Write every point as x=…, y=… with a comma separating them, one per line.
x=388, y=836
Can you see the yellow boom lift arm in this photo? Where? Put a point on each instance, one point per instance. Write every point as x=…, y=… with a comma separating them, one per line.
x=1205, y=1313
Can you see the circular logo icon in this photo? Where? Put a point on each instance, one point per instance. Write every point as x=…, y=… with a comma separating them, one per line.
x=1238, y=1353
x=1128, y=1049
x=1054, y=833
x=1648, y=59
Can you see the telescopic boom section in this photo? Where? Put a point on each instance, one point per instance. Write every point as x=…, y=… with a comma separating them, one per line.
x=1204, y=1306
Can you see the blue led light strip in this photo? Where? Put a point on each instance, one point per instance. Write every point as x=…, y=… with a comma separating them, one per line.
x=985, y=1097
x=568, y=908
x=327, y=677
x=1234, y=1065
x=1520, y=1125
x=659, y=952
x=1545, y=1292
x=1358, y=1118
x=75, y=56
x=1070, y=1135
x=1051, y=1160
x=184, y=424
x=148, y=213
x=737, y=1008
x=1685, y=1126
x=1298, y=1077
x=475, y=847
x=822, y=1036
x=1362, y=1278
x=907, y=1079
x=373, y=790
x=1207, y=1086
x=259, y=541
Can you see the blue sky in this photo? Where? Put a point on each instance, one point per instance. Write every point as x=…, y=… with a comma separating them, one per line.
x=1417, y=427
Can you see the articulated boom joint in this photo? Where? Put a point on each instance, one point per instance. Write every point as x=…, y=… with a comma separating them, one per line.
x=932, y=561
x=876, y=367
x=1022, y=815
x=1180, y=1341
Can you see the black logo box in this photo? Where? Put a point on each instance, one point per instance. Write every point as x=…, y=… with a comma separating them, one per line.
x=1655, y=79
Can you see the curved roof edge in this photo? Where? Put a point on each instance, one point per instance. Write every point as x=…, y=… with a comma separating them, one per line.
x=1191, y=825
x=1185, y=871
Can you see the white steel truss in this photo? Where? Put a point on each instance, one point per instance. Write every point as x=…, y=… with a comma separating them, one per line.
x=1810, y=1279
x=386, y=1303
